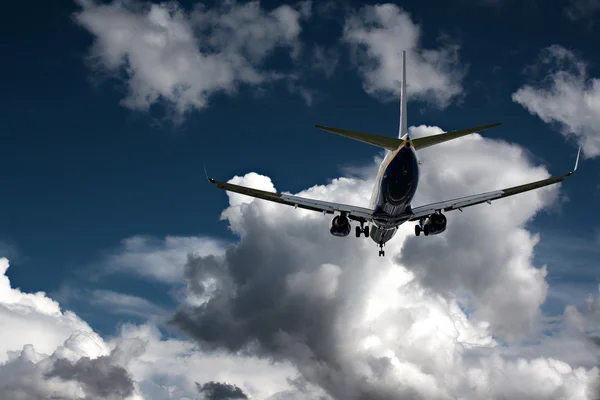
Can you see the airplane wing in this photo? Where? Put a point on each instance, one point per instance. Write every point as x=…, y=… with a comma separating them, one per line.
x=326, y=207
x=462, y=202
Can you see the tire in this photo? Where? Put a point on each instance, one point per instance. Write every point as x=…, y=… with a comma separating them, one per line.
x=366, y=231
x=417, y=230
x=426, y=230
x=358, y=231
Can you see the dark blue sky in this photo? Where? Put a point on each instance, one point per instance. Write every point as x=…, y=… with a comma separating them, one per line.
x=80, y=172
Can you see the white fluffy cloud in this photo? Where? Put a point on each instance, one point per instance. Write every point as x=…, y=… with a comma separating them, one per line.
x=378, y=35
x=33, y=318
x=164, y=53
x=567, y=96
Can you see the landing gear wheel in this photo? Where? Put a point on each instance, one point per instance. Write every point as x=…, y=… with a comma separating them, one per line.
x=417, y=230
x=358, y=231
x=366, y=231
x=426, y=230
x=381, y=252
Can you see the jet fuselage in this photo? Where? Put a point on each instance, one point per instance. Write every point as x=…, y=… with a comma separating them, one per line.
x=394, y=190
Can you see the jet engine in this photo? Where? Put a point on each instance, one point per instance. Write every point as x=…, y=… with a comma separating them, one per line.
x=340, y=226
x=435, y=225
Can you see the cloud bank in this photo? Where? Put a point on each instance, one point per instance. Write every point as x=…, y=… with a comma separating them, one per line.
x=566, y=96
x=443, y=317
x=291, y=312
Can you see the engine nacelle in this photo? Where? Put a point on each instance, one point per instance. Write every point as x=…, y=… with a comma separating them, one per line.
x=340, y=226
x=436, y=224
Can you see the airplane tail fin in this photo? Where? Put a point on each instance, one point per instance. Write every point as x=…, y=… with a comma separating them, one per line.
x=403, y=128
x=427, y=141
x=393, y=143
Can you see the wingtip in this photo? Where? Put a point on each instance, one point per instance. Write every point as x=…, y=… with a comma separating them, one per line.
x=211, y=180
x=577, y=159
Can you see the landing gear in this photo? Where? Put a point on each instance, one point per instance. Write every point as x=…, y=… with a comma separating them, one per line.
x=381, y=252
x=362, y=229
x=422, y=227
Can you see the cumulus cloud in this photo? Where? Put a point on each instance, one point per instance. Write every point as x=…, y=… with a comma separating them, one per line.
x=378, y=35
x=49, y=353
x=166, y=54
x=80, y=363
x=566, y=96
x=441, y=317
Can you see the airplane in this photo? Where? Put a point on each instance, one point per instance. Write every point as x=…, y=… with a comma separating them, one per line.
x=395, y=186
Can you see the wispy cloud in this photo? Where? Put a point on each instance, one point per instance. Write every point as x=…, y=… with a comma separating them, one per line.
x=565, y=95
x=582, y=9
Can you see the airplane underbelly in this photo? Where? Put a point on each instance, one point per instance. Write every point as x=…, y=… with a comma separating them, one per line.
x=380, y=235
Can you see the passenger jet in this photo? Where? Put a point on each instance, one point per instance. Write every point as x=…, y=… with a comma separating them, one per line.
x=395, y=186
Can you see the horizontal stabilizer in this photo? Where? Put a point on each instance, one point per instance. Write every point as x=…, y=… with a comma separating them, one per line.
x=375, y=140
x=421, y=143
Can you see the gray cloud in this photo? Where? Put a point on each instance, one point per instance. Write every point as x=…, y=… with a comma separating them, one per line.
x=69, y=373
x=221, y=391
x=99, y=377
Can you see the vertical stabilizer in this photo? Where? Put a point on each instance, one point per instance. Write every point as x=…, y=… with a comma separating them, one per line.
x=403, y=127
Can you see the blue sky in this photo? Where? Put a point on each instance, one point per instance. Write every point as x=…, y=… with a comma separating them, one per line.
x=83, y=171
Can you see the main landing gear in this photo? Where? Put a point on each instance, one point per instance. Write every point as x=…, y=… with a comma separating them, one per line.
x=422, y=227
x=362, y=229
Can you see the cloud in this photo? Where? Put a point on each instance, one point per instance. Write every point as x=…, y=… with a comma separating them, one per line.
x=378, y=34
x=114, y=302
x=49, y=353
x=165, y=54
x=581, y=9
x=80, y=363
x=37, y=319
x=461, y=303
x=566, y=96
x=162, y=260
x=325, y=59
x=221, y=391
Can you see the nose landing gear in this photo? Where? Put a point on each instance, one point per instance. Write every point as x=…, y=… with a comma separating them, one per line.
x=381, y=252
